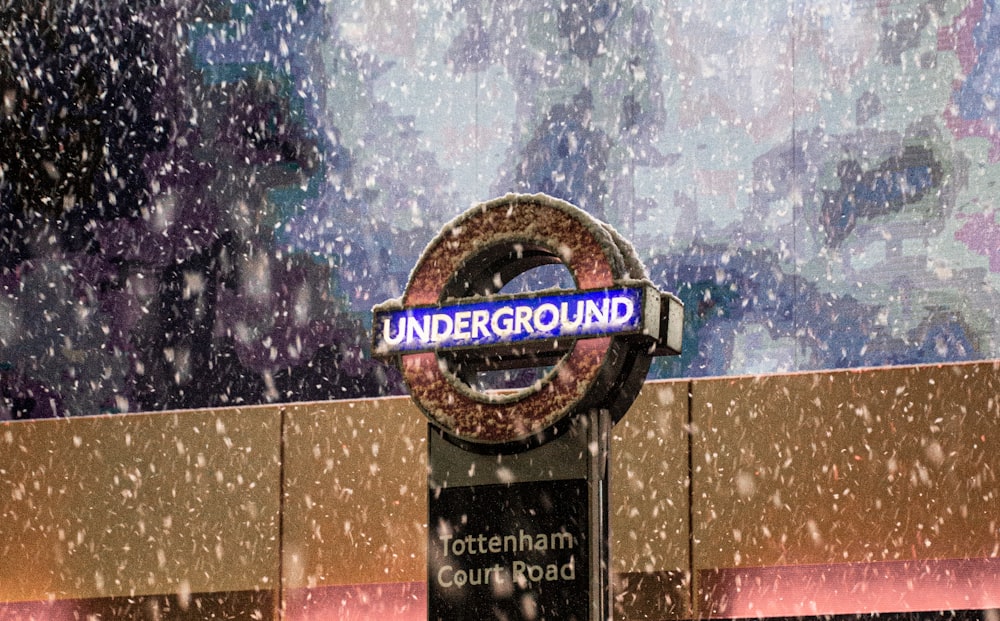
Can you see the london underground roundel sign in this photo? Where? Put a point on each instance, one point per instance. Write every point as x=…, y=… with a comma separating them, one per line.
x=595, y=341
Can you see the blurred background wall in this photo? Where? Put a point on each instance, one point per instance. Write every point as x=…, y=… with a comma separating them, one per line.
x=200, y=200
x=793, y=496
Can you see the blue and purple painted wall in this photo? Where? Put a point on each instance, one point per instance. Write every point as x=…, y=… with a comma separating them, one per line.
x=201, y=200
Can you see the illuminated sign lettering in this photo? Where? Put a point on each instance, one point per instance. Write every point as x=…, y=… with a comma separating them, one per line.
x=505, y=320
x=531, y=542
x=590, y=346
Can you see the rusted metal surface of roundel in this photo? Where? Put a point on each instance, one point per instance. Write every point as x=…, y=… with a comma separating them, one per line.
x=498, y=240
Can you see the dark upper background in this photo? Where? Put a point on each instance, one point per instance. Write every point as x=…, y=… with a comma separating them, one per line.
x=201, y=200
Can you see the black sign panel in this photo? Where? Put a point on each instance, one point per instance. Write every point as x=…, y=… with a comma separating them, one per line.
x=516, y=551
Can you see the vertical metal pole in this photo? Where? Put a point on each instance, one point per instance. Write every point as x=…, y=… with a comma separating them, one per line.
x=599, y=447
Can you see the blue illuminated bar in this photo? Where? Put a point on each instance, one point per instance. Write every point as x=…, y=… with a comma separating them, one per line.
x=514, y=319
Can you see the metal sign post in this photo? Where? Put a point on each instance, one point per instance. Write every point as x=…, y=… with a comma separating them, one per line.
x=520, y=536
x=518, y=481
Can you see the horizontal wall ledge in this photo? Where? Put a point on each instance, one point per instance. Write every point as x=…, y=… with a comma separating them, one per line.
x=784, y=495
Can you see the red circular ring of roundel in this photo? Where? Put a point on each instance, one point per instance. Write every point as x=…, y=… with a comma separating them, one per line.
x=595, y=370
